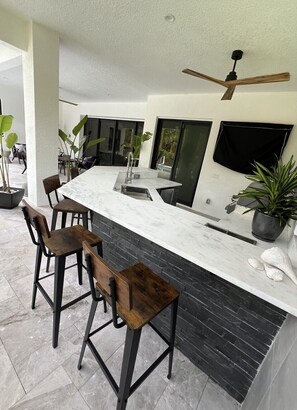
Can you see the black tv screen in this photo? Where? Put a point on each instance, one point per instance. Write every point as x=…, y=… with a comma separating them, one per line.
x=239, y=144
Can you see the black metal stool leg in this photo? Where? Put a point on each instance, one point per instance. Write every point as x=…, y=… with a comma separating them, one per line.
x=85, y=219
x=58, y=292
x=129, y=358
x=36, y=274
x=79, y=266
x=54, y=220
x=172, y=334
x=63, y=221
x=48, y=261
x=87, y=332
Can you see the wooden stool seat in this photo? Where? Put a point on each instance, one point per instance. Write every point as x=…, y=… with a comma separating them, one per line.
x=66, y=241
x=136, y=295
x=57, y=244
x=151, y=295
x=68, y=205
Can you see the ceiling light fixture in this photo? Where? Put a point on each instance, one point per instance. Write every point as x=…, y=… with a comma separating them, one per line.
x=170, y=18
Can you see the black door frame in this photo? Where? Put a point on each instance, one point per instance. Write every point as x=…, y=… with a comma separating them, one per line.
x=183, y=124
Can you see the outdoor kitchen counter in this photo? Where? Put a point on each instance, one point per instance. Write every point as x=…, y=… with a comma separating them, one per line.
x=183, y=233
x=229, y=314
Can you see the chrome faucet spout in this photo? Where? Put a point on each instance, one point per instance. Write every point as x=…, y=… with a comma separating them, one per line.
x=129, y=171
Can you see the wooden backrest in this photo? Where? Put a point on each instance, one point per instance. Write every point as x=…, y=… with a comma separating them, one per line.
x=102, y=273
x=32, y=216
x=51, y=183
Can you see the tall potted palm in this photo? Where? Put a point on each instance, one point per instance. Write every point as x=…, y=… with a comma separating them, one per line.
x=72, y=149
x=276, y=198
x=10, y=197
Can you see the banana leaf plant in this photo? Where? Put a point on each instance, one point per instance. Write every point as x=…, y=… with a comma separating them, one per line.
x=136, y=143
x=276, y=193
x=6, y=144
x=73, y=147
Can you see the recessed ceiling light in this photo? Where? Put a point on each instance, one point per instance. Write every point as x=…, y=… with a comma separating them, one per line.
x=170, y=18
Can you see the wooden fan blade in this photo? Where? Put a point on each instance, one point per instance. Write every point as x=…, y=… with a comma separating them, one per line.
x=261, y=79
x=204, y=77
x=229, y=93
x=67, y=102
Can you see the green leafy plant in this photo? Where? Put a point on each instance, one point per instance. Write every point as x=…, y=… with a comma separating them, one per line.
x=276, y=192
x=7, y=142
x=72, y=147
x=137, y=142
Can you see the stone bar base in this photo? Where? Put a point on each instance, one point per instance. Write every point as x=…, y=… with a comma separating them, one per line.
x=221, y=328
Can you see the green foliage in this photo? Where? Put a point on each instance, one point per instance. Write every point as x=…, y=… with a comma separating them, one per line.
x=277, y=190
x=7, y=141
x=69, y=147
x=167, y=147
x=137, y=142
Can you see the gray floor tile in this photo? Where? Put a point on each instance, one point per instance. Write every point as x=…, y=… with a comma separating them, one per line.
x=11, y=389
x=215, y=398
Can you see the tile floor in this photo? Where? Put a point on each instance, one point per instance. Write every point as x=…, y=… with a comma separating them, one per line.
x=33, y=375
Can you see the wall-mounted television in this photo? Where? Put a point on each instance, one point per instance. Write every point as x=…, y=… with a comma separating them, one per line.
x=239, y=144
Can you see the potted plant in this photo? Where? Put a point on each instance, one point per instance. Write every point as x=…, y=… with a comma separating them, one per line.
x=275, y=196
x=10, y=197
x=136, y=143
x=73, y=152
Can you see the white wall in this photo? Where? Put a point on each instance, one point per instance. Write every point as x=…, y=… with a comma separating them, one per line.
x=13, y=104
x=217, y=182
x=72, y=114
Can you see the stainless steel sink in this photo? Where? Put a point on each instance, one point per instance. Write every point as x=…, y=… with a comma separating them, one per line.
x=136, y=192
x=230, y=233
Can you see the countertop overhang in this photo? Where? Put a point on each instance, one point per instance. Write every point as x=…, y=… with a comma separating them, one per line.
x=183, y=232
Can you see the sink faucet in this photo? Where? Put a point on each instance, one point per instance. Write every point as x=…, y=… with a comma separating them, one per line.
x=129, y=171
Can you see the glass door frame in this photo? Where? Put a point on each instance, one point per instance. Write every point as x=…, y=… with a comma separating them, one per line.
x=182, y=123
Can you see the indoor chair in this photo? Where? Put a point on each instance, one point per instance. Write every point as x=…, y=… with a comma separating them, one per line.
x=136, y=295
x=57, y=244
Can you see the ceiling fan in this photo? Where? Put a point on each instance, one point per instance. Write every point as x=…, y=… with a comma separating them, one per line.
x=231, y=80
x=67, y=102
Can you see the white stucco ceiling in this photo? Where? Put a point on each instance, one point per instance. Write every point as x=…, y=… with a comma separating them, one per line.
x=124, y=50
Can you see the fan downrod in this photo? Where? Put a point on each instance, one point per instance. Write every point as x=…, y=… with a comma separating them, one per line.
x=236, y=55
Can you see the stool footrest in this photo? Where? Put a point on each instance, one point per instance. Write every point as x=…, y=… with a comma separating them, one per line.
x=103, y=367
x=72, y=302
x=106, y=371
x=159, y=333
x=51, y=303
x=46, y=276
x=100, y=328
x=45, y=294
x=148, y=371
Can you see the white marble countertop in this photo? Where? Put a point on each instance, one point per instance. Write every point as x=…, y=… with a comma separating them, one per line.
x=183, y=232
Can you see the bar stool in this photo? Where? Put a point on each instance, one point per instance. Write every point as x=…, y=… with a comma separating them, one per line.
x=57, y=244
x=136, y=295
x=51, y=184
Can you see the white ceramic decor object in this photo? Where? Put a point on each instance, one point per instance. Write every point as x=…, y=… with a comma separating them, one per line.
x=273, y=273
x=280, y=259
x=256, y=263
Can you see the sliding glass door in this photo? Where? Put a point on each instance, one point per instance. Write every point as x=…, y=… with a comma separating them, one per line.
x=178, y=153
x=113, y=150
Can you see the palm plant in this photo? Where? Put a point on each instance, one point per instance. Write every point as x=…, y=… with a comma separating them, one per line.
x=136, y=143
x=9, y=141
x=69, y=147
x=276, y=190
